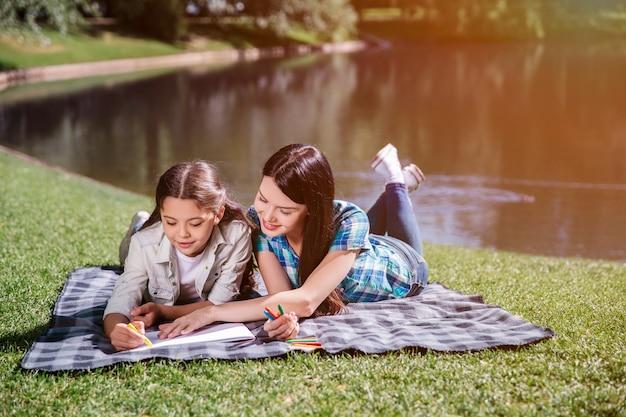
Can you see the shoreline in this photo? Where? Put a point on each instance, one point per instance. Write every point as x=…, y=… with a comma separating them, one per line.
x=17, y=77
x=57, y=168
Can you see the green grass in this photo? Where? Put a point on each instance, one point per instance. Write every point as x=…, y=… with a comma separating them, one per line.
x=52, y=222
x=29, y=51
x=106, y=43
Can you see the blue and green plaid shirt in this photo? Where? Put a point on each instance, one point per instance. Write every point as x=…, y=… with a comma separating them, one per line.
x=379, y=271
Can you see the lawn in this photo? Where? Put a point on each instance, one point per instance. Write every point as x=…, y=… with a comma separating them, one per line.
x=54, y=49
x=52, y=222
x=101, y=43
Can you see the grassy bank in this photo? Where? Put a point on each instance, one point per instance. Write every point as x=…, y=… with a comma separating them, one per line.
x=20, y=52
x=102, y=43
x=52, y=222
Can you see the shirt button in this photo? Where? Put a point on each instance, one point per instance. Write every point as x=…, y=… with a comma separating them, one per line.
x=173, y=284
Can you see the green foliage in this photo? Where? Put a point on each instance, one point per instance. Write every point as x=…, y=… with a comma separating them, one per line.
x=28, y=15
x=216, y=7
x=332, y=20
x=158, y=19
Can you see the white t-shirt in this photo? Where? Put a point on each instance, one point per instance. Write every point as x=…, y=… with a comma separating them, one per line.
x=188, y=270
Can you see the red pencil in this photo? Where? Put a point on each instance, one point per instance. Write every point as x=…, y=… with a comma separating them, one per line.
x=272, y=313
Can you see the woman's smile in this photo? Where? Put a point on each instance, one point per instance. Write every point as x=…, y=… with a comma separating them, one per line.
x=270, y=226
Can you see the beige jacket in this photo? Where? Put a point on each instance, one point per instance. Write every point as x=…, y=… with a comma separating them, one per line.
x=150, y=272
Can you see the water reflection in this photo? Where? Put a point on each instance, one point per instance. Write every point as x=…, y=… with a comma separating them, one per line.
x=489, y=124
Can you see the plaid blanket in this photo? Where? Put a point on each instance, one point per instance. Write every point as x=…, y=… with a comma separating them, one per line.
x=437, y=319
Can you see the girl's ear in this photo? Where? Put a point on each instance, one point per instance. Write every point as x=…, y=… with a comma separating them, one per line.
x=220, y=214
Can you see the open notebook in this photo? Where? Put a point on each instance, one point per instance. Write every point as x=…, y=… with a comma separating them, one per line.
x=224, y=332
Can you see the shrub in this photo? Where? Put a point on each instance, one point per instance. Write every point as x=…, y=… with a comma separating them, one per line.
x=333, y=20
x=159, y=19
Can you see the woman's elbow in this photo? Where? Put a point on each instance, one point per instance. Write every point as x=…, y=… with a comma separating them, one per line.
x=310, y=305
x=307, y=310
x=301, y=301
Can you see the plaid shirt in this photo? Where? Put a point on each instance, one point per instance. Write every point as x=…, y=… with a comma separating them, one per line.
x=379, y=271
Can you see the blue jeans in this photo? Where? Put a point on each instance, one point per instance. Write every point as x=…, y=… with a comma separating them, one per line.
x=392, y=217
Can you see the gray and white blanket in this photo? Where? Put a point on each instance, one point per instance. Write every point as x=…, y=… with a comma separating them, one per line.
x=438, y=319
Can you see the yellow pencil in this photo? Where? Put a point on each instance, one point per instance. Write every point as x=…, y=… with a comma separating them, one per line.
x=134, y=329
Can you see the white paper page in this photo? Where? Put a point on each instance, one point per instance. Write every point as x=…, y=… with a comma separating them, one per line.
x=225, y=332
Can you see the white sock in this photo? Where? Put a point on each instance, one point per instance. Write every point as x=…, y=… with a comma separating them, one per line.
x=396, y=176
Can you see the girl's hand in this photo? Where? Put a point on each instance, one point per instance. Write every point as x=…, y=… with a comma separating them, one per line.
x=149, y=314
x=187, y=323
x=284, y=327
x=123, y=338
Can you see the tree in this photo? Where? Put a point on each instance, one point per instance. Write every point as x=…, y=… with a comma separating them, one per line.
x=329, y=19
x=158, y=19
x=30, y=15
x=214, y=8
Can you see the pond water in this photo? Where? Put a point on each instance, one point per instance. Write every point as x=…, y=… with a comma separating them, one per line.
x=523, y=145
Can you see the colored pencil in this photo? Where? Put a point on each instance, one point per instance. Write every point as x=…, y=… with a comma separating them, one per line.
x=274, y=315
x=303, y=339
x=134, y=329
x=308, y=344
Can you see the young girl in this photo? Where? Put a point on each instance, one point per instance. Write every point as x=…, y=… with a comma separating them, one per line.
x=315, y=253
x=193, y=251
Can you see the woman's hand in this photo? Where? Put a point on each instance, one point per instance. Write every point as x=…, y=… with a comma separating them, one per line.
x=283, y=327
x=187, y=323
x=123, y=338
x=149, y=313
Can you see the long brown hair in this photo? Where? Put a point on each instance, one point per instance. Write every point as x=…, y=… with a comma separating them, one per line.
x=303, y=174
x=200, y=181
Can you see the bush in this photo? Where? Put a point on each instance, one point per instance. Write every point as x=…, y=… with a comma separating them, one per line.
x=28, y=15
x=159, y=19
x=334, y=20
